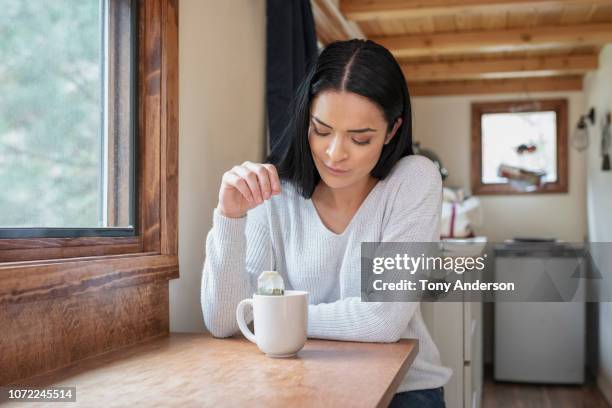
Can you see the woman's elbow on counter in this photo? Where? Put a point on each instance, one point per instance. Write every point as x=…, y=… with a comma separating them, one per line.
x=217, y=322
x=217, y=327
x=382, y=333
x=390, y=335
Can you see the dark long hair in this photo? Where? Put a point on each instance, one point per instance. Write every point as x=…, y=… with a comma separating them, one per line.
x=364, y=68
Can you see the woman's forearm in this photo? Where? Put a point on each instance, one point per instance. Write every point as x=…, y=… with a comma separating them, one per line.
x=230, y=270
x=352, y=320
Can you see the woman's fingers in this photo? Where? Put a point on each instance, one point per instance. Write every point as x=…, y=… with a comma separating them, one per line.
x=263, y=177
x=239, y=184
x=252, y=181
x=274, y=179
x=255, y=182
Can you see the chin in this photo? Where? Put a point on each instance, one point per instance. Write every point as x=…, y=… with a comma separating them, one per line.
x=337, y=182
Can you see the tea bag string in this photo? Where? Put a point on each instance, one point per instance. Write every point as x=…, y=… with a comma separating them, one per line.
x=270, y=246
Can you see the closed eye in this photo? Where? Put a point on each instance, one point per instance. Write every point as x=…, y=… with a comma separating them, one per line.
x=318, y=132
x=361, y=143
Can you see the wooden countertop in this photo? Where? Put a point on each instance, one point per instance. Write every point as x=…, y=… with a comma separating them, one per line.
x=198, y=370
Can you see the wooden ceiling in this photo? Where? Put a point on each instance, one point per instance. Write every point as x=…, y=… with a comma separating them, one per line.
x=454, y=47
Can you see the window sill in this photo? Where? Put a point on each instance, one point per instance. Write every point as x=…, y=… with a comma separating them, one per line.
x=32, y=249
x=22, y=282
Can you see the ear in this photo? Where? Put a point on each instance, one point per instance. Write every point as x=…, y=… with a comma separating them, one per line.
x=391, y=134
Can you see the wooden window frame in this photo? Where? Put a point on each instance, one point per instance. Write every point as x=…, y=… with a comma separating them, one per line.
x=478, y=109
x=34, y=268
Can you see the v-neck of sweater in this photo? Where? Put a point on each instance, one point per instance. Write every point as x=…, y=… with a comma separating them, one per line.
x=313, y=209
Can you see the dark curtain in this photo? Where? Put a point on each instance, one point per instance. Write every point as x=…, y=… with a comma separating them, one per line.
x=291, y=46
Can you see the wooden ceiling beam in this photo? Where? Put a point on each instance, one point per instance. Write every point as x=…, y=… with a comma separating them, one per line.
x=497, y=40
x=548, y=65
x=367, y=10
x=331, y=25
x=496, y=86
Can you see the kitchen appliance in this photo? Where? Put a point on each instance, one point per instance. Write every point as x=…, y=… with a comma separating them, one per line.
x=539, y=342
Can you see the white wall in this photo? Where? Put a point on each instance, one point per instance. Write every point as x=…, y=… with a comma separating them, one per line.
x=443, y=125
x=221, y=119
x=598, y=94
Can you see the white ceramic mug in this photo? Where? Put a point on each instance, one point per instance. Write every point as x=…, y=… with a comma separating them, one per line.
x=281, y=322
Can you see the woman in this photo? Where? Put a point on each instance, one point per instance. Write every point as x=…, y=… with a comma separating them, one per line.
x=347, y=176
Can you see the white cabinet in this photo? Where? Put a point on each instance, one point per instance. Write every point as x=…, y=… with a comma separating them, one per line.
x=473, y=362
x=456, y=328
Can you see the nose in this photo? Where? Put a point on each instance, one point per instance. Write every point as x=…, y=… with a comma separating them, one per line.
x=336, y=151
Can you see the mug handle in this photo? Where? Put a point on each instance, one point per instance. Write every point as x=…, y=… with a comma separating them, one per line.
x=240, y=318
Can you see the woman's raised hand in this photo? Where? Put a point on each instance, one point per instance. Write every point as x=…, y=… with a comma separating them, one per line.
x=245, y=187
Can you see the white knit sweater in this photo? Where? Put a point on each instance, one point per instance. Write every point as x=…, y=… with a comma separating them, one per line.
x=286, y=234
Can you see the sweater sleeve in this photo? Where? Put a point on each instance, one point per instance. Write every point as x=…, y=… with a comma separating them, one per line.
x=237, y=250
x=415, y=217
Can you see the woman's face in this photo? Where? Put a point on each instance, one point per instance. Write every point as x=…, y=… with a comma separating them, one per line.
x=346, y=135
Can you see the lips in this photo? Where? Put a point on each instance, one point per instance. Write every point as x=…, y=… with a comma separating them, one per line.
x=335, y=170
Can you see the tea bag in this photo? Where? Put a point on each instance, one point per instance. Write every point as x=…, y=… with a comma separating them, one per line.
x=270, y=283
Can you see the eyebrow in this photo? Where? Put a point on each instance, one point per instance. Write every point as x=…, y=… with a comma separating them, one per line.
x=364, y=130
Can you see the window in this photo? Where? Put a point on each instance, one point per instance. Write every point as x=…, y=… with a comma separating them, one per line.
x=88, y=139
x=67, y=118
x=47, y=281
x=519, y=147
